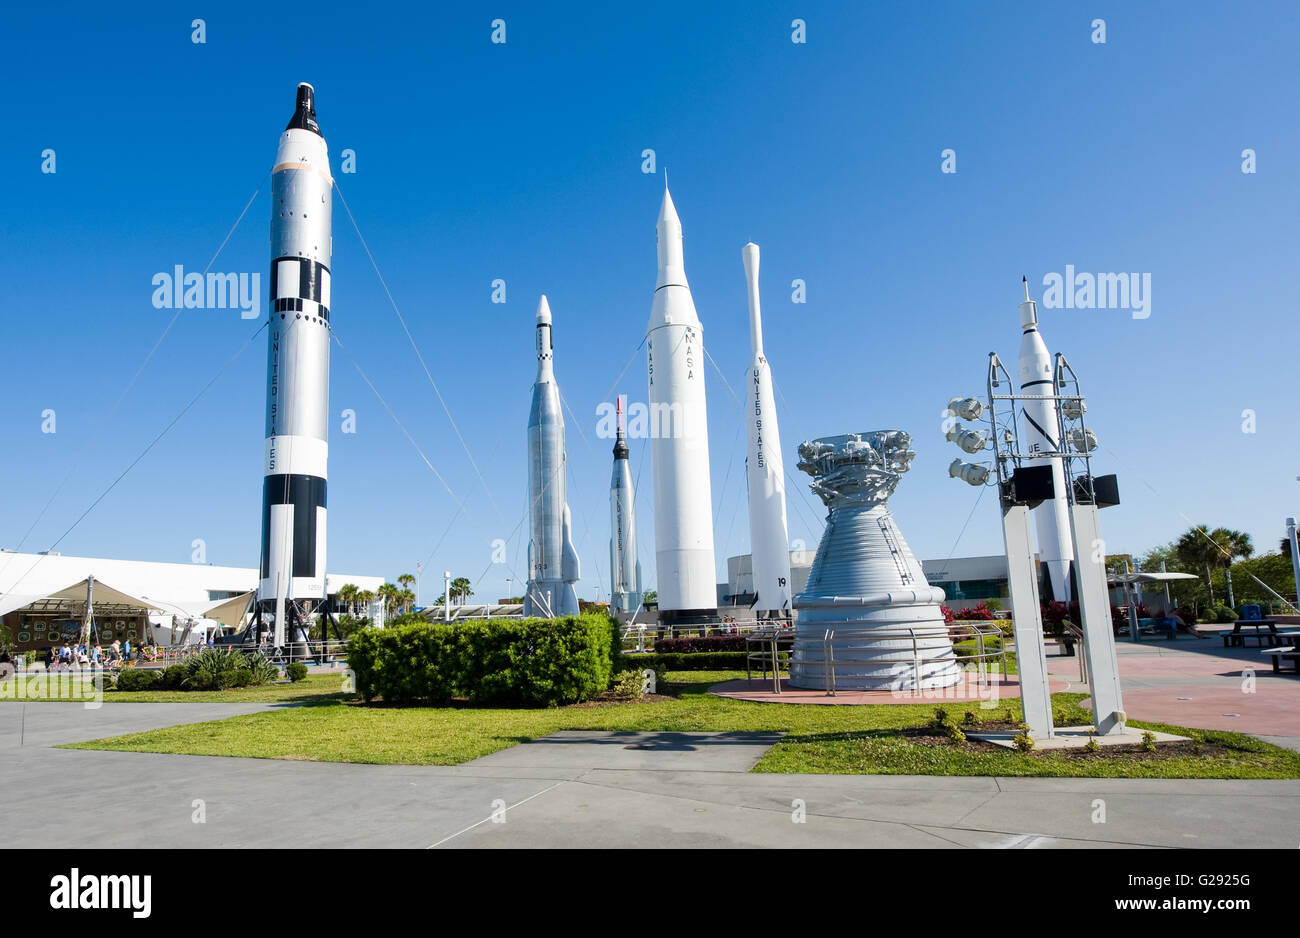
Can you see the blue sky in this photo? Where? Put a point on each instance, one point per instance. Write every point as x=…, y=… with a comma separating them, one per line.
x=522, y=162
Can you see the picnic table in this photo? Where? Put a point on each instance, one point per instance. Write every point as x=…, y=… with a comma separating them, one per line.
x=1237, y=638
x=1287, y=652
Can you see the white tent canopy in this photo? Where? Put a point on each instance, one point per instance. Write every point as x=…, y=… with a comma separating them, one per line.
x=72, y=598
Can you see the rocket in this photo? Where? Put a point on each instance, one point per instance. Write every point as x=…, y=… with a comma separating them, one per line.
x=1040, y=432
x=552, y=559
x=292, y=580
x=679, y=438
x=768, y=534
x=624, y=567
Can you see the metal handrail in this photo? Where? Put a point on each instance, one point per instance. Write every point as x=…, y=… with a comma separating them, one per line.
x=955, y=632
x=1076, y=633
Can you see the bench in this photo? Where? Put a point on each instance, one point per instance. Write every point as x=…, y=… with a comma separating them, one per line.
x=1280, y=653
x=1150, y=626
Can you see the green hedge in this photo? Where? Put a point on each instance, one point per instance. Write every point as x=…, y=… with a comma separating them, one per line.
x=528, y=662
x=689, y=661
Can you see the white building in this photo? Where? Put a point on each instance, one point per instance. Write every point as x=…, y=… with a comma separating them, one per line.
x=43, y=596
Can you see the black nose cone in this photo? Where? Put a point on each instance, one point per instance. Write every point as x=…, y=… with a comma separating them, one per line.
x=304, y=115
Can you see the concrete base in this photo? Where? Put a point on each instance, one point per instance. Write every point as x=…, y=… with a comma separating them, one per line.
x=1076, y=737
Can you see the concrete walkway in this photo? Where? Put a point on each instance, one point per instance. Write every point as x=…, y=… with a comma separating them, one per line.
x=637, y=790
x=1199, y=683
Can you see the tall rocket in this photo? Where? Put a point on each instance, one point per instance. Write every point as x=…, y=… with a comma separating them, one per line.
x=292, y=580
x=768, y=534
x=1040, y=432
x=624, y=567
x=679, y=438
x=552, y=559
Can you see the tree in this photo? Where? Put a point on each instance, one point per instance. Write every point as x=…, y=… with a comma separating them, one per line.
x=347, y=595
x=650, y=596
x=365, y=598
x=461, y=590
x=406, y=580
x=1206, y=551
x=407, y=599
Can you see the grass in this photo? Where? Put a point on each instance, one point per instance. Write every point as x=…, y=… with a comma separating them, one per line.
x=822, y=739
x=314, y=688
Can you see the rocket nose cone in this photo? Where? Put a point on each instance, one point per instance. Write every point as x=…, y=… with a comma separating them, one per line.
x=543, y=311
x=668, y=211
x=304, y=115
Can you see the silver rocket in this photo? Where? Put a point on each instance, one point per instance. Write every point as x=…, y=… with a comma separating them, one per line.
x=292, y=582
x=679, y=438
x=625, y=568
x=552, y=560
x=1040, y=431
x=765, y=469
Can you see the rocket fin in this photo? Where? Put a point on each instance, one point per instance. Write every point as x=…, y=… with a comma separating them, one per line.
x=569, y=569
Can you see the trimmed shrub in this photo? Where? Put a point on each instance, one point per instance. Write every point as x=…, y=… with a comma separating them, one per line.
x=295, y=671
x=688, y=646
x=698, y=661
x=529, y=662
x=138, y=680
x=1224, y=614
x=173, y=676
x=198, y=680
x=240, y=678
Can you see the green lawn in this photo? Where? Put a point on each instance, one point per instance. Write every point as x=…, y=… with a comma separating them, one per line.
x=824, y=739
x=314, y=688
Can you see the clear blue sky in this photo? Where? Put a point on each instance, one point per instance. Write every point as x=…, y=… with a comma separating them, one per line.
x=522, y=161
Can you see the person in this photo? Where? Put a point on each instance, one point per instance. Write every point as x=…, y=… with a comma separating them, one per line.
x=65, y=657
x=96, y=656
x=126, y=651
x=115, y=654
x=49, y=657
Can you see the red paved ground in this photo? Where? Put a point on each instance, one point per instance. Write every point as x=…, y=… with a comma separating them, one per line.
x=760, y=691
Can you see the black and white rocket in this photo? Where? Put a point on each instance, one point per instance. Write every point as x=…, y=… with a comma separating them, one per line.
x=679, y=438
x=625, y=568
x=552, y=560
x=292, y=584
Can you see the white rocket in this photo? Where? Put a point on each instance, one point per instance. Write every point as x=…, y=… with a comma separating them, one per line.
x=679, y=438
x=292, y=580
x=625, y=568
x=768, y=533
x=1039, y=434
x=552, y=559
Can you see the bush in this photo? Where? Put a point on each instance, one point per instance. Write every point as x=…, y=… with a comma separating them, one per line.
x=138, y=680
x=696, y=645
x=198, y=680
x=529, y=662
x=1224, y=614
x=1149, y=741
x=1023, y=741
x=295, y=671
x=240, y=678
x=627, y=684
x=697, y=661
x=173, y=676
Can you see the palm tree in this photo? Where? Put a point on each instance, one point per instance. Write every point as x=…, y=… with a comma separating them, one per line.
x=390, y=594
x=407, y=599
x=347, y=595
x=365, y=598
x=460, y=590
x=1208, y=550
x=406, y=580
